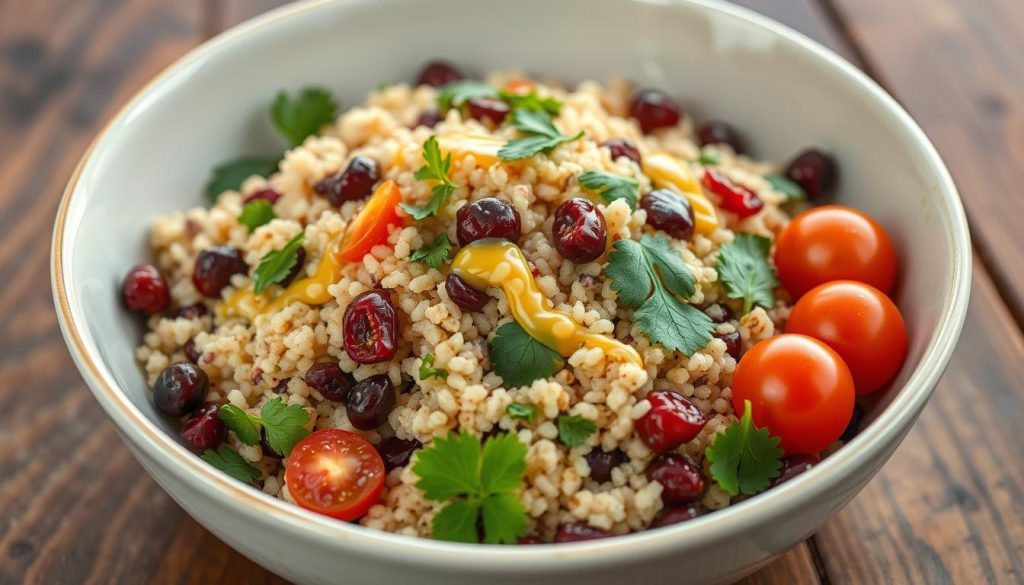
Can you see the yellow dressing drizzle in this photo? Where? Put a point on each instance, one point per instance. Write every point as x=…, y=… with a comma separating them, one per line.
x=665, y=170
x=494, y=262
x=484, y=148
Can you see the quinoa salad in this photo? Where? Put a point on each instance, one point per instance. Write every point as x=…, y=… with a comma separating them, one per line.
x=504, y=310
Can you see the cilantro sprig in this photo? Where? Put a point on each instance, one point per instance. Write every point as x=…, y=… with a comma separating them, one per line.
x=531, y=101
x=435, y=253
x=435, y=169
x=277, y=264
x=284, y=425
x=230, y=175
x=478, y=483
x=786, y=186
x=574, y=430
x=230, y=462
x=708, y=158
x=610, y=186
x=522, y=411
x=649, y=276
x=745, y=272
x=519, y=358
x=541, y=135
x=457, y=93
x=744, y=458
x=427, y=369
x=256, y=213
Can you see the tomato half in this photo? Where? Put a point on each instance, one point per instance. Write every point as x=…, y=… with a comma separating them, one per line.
x=370, y=227
x=860, y=323
x=833, y=242
x=336, y=473
x=799, y=388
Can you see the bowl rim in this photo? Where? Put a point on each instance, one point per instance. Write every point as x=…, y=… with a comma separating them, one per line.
x=892, y=422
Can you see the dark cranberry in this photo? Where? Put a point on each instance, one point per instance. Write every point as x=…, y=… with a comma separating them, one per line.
x=282, y=386
x=328, y=379
x=654, y=109
x=735, y=198
x=854, y=425
x=429, y=118
x=669, y=212
x=397, y=452
x=354, y=183
x=794, y=465
x=180, y=389
x=370, y=327
x=300, y=263
x=215, y=267
x=674, y=515
x=265, y=445
x=814, y=170
x=733, y=343
x=204, y=429
x=464, y=295
x=439, y=73
x=720, y=133
x=530, y=540
x=680, y=480
x=269, y=195
x=193, y=311
x=370, y=402
x=579, y=233
x=602, y=462
x=191, y=352
x=578, y=532
x=671, y=421
x=145, y=290
x=622, y=147
x=719, y=313
x=487, y=218
x=487, y=108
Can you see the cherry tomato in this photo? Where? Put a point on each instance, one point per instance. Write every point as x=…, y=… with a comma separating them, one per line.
x=860, y=323
x=833, y=242
x=799, y=388
x=336, y=473
x=370, y=227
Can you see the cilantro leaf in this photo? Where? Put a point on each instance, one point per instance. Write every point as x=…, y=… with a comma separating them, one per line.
x=436, y=168
x=611, y=187
x=521, y=411
x=541, y=135
x=456, y=522
x=519, y=358
x=459, y=92
x=573, y=430
x=505, y=519
x=449, y=467
x=708, y=158
x=275, y=266
x=230, y=175
x=435, y=253
x=743, y=457
x=241, y=423
x=745, y=272
x=786, y=186
x=428, y=371
x=230, y=462
x=302, y=116
x=531, y=101
x=675, y=325
x=503, y=463
x=285, y=425
x=256, y=213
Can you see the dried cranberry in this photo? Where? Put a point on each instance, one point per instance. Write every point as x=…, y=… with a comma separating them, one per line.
x=487, y=218
x=680, y=480
x=269, y=195
x=654, y=109
x=397, y=452
x=735, y=198
x=145, y=290
x=675, y=515
x=854, y=424
x=439, y=73
x=578, y=532
x=733, y=343
x=794, y=465
x=370, y=402
x=215, y=267
x=354, y=183
x=579, y=232
x=530, y=540
x=282, y=386
x=719, y=313
x=814, y=170
x=463, y=295
x=204, y=429
x=602, y=462
x=191, y=352
x=329, y=380
x=370, y=327
x=622, y=147
x=717, y=132
x=180, y=389
x=669, y=212
x=429, y=118
x=300, y=263
x=487, y=109
x=671, y=421
x=193, y=311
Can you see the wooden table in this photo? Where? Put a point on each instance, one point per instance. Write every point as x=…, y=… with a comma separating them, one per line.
x=75, y=507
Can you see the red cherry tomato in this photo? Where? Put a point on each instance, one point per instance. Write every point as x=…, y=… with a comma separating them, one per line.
x=797, y=387
x=860, y=323
x=370, y=227
x=833, y=242
x=336, y=473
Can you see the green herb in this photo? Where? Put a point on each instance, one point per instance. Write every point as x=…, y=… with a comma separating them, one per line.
x=743, y=457
x=611, y=187
x=230, y=462
x=459, y=92
x=519, y=358
x=283, y=424
x=383, y=85
x=230, y=175
x=302, y=116
x=427, y=369
x=541, y=135
x=256, y=213
x=435, y=253
x=708, y=158
x=275, y=266
x=520, y=411
x=436, y=169
x=478, y=483
x=647, y=276
x=573, y=430
x=531, y=101
x=745, y=272
x=787, y=187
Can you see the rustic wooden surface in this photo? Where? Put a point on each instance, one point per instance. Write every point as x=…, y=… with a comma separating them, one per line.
x=75, y=507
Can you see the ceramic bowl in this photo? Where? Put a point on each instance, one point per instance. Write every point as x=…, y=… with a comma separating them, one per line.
x=783, y=90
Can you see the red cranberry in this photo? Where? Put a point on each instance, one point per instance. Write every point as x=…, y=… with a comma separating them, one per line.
x=193, y=311
x=622, y=147
x=578, y=532
x=720, y=133
x=463, y=295
x=671, y=421
x=269, y=195
x=854, y=424
x=735, y=198
x=669, y=212
x=397, y=452
x=814, y=170
x=282, y=386
x=487, y=218
x=145, y=290
x=329, y=380
x=370, y=402
x=675, y=515
x=439, y=73
x=191, y=352
x=654, y=109
x=300, y=263
x=579, y=233
x=487, y=109
x=204, y=429
x=794, y=465
x=215, y=267
x=429, y=118
x=680, y=480
x=733, y=343
x=180, y=389
x=354, y=183
x=370, y=327
x=602, y=463
x=719, y=313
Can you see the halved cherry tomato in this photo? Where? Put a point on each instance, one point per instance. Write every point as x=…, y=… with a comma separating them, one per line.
x=833, y=242
x=860, y=323
x=336, y=473
x=519, y=86
x=799, y=388
x=370, y=227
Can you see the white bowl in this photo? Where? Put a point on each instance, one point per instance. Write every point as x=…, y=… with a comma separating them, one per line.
x=782, y=89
